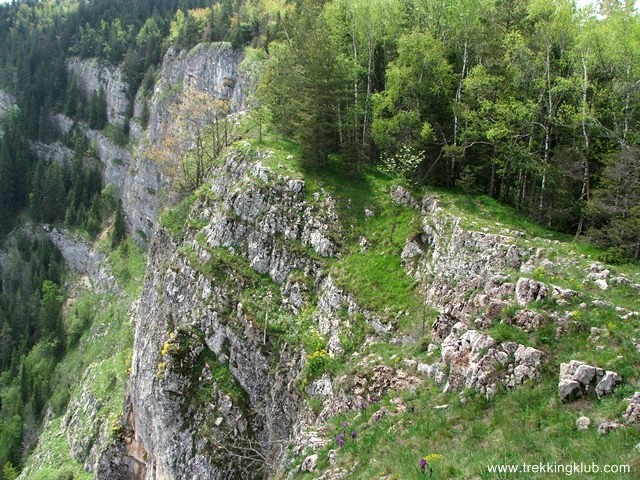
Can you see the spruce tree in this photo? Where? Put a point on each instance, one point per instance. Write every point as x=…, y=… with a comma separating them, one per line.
x=118, y=232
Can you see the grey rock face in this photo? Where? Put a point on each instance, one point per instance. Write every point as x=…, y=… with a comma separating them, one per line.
x=632, y=414
x=528, y=290
x=527, y=320
x=460, y=270
x=210, y=67
x=7, y=101
x=168, y=425
x=577, y=379
x=53, y=152
x=402, y=196
x=92, y=75
x=137, y=179
x=476, y=361
x=264, y=220
x=79, y=255
x=442, y=326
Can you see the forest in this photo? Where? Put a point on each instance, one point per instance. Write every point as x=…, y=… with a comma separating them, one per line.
x=535, y=103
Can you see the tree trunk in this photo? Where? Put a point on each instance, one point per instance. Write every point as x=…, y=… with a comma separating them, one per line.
x=586, y=183
x=456, y=120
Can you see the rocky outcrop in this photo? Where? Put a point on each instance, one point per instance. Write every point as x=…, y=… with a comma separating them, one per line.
x=137, y=179
x=528, y=290
x=475, y=360
x=527, y=320
x=7, y=101
x=93, y=75
x=52, y=152
x=79, y=255
x=632, y=413
x=212, y=392
x=451, y=262
x=577, y=379
x=210, y=67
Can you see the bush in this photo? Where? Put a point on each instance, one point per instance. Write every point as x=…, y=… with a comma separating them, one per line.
x=317, y=364
x=613, y=256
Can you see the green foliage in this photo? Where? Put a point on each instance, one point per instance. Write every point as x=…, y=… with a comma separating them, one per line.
x=467, y=180
x=9, y=472
x=403, y=164
x=175, y=219
x=613, y=256
x=128, y=263
x=615, y=207
x=502, y=332
x=418, y=81
x=318, y=363
x=118, y=232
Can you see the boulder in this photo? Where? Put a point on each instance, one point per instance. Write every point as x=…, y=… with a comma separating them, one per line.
x=606, y=427
x=309, y=463
x=583, y=423
x=610, y=381
x=569, y=390
x=528, y=290
x=577, y=379
x=632, y=414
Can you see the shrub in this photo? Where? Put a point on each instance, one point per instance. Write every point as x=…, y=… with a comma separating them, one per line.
x=613, y=256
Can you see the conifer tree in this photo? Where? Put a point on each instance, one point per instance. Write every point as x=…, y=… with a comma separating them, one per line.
x=118, y=232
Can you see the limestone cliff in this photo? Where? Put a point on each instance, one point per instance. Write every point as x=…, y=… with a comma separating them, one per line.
x=253, y=331
x=92, y=76
x=211, y=67
x=216, y=390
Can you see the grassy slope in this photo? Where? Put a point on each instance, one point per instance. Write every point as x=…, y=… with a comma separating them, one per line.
x=529, y=425
x=100, y=358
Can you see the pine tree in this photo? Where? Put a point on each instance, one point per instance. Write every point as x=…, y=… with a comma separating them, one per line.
x=118, y=232
x=6, y=189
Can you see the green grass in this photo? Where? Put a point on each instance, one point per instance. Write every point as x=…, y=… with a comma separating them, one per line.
x=528, y=425
x=525, y=426
x=175, y=219
x=128, y=263
x=94, y=367
x=53, y=451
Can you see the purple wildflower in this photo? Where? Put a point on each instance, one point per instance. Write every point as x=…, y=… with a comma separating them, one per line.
x=423, y=465
x=340, y=440
x=354, y=434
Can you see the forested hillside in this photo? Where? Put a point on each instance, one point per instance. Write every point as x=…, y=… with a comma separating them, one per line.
x=532, y=105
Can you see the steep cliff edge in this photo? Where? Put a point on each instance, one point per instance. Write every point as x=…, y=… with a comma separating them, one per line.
x=275, y=311
x=214, y=392
x=298, y=322
x=142, y=183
